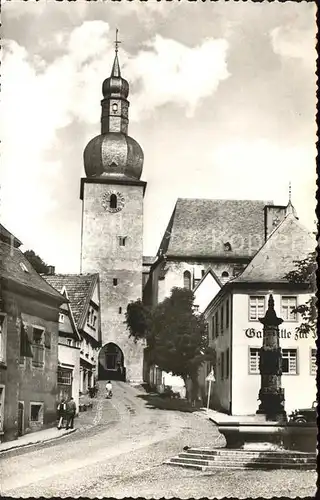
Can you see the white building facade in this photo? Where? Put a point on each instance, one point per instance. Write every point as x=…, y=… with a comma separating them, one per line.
x=236, y=336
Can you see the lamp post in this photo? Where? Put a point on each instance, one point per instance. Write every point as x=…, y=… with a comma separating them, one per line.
x=271, y=394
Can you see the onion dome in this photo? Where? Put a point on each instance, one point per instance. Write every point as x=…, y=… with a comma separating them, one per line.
x=114, y=153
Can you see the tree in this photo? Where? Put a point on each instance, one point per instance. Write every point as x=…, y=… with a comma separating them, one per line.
x=177, y=337
x=305, y=272
x=37, y=263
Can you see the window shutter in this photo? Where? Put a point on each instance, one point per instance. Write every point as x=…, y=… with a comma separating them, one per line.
x=47, y=339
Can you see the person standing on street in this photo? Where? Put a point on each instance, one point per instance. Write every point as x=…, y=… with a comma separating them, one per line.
x=108, y=389
x=61, y=412
x=70, y=411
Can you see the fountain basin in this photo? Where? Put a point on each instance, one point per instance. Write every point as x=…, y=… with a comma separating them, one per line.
x=269, y=436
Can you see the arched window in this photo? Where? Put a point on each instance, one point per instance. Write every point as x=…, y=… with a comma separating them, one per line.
x=113, y=201
x=225, y=274
x=227, y=247
x=187, y=280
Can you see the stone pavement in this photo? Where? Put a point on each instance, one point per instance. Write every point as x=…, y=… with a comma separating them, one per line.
x=85, y=420
x=35, y=438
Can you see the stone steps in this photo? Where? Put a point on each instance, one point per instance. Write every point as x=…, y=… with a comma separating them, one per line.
x=242, y=459
x=238, y=458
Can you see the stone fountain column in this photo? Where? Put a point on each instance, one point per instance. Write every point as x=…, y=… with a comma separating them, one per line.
x=271, y=394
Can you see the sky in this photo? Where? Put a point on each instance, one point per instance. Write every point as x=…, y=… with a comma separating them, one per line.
x=222, y=101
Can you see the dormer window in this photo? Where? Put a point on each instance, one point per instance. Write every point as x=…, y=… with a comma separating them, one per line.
x=122, y=241
x=113, y=201
x=24, y=267
x=227, y=247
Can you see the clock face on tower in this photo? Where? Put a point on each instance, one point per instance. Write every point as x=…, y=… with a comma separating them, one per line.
x=113, y=201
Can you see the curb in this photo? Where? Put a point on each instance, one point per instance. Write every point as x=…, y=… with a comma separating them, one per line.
x=21, y=446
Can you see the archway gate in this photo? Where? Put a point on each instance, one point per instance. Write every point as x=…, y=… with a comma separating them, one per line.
x=111, y=363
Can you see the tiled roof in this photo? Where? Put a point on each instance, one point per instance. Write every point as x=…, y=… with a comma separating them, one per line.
x=79, y=289
x=8, y=237
x=288, y=243
x=202, y=228
x=14, y=266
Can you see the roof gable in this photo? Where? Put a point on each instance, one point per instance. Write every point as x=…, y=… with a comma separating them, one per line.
x=206, y=290
x=80, y=289
x=288, y=243
x=8, y=237
x=15, y=267
x=208, y=228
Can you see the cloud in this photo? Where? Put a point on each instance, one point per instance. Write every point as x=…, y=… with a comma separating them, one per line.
x=170, y=72
x=39, y=99
x=290, y=42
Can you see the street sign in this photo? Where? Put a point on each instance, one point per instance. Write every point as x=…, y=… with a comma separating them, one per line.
x=211, y=377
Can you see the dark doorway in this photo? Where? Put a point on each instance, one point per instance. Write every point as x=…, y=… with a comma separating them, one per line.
x=111, y=363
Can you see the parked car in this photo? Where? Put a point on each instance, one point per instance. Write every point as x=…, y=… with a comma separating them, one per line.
x=305, y=415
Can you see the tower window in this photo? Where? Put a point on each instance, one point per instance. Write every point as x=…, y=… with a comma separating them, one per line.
x=115, y=281
x=113, y=201
x=122, y=241
x=187, y=280
x=227, y=246
x=120, y=310
x=225, y=274
x=114, y=107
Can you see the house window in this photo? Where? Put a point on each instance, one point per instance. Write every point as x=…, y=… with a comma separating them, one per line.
x=69, y=342
x=227, y=314
x=113, y=201
x=313, y=362
x=25, y=344
x=222, y=319
x=38, y=347
x=289, y=361
x=61, y=318
x=1, y=407
x=122, y=241
x=227, y=246
x=254, y=357
x=222, y=366
x=115, y=281
x=217, y=324
x=227, y=363
x=64, y=376
x=3, y=331
x=120, y=310
x=212, y=326
x=256, y=307
x=203, y=272
x=288, y=306
x=187, y=280
x=36, y=412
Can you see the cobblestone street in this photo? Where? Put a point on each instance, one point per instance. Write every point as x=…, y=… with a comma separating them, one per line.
x=118, y=451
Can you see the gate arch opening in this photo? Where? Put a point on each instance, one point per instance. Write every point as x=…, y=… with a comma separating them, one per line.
x=111, y=363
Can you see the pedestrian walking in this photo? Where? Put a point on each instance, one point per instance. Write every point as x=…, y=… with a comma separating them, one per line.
x=108, y=389
x=61, y=412
x=70, y=412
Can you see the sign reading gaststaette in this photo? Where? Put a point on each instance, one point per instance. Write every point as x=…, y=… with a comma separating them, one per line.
x=283, y=334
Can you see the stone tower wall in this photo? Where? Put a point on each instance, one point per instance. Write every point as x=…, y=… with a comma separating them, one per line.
x=102, y=253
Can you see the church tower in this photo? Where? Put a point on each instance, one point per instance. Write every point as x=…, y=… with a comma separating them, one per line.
x=112, y=227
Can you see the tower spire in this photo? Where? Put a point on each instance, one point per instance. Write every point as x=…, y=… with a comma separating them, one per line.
x=290, y=208
x=116, y=66
x=289, y=191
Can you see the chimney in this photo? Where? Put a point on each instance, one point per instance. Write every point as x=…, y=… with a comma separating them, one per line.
x=273, y=215
x=51, y=270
